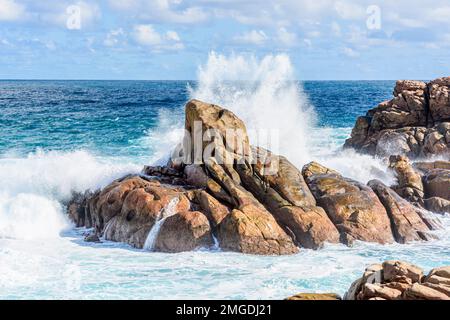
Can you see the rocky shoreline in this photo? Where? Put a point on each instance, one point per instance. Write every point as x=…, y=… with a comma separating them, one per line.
x=392, y=280
x=257, y=202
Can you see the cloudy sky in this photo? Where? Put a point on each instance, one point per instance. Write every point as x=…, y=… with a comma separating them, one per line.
x=169, y=39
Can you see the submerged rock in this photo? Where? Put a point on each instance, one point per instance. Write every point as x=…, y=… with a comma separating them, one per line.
x=416, y=122
x=92, y=238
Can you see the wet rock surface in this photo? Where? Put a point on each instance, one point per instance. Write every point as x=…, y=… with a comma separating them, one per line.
x=416, y=122
x=247, y=199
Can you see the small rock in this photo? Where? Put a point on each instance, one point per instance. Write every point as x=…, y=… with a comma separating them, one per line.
x=92, y=238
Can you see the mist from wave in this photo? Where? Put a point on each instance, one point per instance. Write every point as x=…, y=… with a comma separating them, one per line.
x=34, y=188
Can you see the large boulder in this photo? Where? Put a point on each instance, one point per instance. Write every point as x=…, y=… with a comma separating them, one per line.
x=140, y=208
x=185, y=231
x=216, y=186
x=437, y=205
x=213, y=131
x=440, y=99
x=250, y=227
x=406, y=223
x=415, y=122
x=286, y=195
x=353, y=207
x=437, y=184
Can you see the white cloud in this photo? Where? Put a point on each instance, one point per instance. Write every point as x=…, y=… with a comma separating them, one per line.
x=10, y=10
x=350, y=11
x=169, y=11
x=349, y=52
x=147, y=36
x=286, y=38
x=113, y=37
x=172, y=36
x=441, y=14
x=255, y=37
x=336, y=29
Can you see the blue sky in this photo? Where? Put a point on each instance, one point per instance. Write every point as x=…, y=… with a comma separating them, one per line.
x=169, y=39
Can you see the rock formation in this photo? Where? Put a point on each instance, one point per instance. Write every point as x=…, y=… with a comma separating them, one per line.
x=354, y=208
x=397, y=280
x=217, y=188
x=416, y=122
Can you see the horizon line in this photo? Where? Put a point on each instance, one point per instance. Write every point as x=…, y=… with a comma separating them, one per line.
x=168, y=80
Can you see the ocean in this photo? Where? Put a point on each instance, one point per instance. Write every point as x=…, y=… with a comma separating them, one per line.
x=59, y=137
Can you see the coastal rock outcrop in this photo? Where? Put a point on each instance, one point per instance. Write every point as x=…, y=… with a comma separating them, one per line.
x=397, y=280
x=217, y=189
x=416, y=122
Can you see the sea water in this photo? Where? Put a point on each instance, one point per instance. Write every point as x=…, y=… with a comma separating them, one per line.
x=60, y=137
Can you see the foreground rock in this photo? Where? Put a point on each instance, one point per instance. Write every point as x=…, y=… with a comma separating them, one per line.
x=397, y=280
x=416, y=122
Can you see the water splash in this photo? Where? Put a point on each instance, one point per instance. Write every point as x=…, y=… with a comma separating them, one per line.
x=33, y=188
x=264, y=94
x=165, y=213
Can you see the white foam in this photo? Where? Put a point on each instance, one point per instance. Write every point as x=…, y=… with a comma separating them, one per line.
x=33, y=187
x=264, y=94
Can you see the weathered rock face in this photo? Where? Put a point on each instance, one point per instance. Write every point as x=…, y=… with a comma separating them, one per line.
x=397, y=280
x=354, y=208
x=415, y=122
x=185, y=231
x=248, y=199
x=437, y=184
x=406, y=223
x=437, y=205
x=440, y=99
x=287, y=196
x=435, y=176
x=222, y=128
x=250, y=228
x=410, y=185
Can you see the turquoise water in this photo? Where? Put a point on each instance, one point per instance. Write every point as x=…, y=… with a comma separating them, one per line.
x=57, y=137
x=114, y=118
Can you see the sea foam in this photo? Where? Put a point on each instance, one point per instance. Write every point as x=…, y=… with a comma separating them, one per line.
x=33, y=189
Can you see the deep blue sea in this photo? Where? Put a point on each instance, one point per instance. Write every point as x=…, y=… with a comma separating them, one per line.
x=113, y=117
x=57, y=137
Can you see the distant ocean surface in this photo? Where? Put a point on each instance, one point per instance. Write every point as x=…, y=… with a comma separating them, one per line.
x=57, y=137
x=114, y=118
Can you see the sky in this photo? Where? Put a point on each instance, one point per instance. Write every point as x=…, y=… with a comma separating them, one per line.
x=169, y=39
